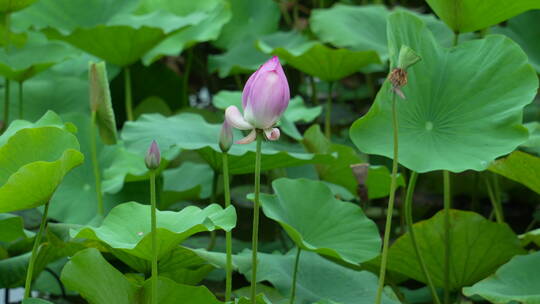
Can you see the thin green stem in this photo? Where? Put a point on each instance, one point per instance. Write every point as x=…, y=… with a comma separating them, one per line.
x=371, y=85
x=285, y=13
x=390, y=211
x=95, y=163
x=495, y=202
x=35, y=247
x=255, y=236
x=127, y=93
x=21, y=100
x=447, y=253
x=410, y=228
x=185, y=79
x=295, y=274
x=213, y=198
x=228, y=234
x=154, y=236
x=456, y=39
x=295, y=13
x=328, y=120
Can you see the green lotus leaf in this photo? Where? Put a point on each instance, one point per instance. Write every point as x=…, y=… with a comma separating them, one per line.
x=104, y=29
x=318, y=278
x=455, y=117
x=478, y=247
x=297, y=111
x=532, y=236
x=364, y=28
x=521, y=167
x=317, y=221
x=378, y=181
x=190, y=132
x=100, y=102
x=100, y=283
x=200, y=179
x=472, y=15
x=314, y=58
x=517, y=280
x=10, y=6
x=173, y=227
x=35, y=56
x=218, y=12
x=38, y=159
x=261, y=299
x=12, y=228
x=184, y=266
x=250, y=21
x=524, y=30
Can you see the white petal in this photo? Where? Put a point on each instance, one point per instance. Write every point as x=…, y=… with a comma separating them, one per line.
x=235, y=118
x=249, y=138
x=272, y=133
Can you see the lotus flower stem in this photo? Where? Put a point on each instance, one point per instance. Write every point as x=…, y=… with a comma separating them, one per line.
x=228, y=234
x=313, y=85
x=6, y=295
x=154, y=236
x=447, y=253
x=35, y=247
x=495, y=200
x=127, y=93
x=255, y=237
x=328, y=120
x=6, y=104
x=295, y=274
x=185, y=79
x=21, y=106
x=410, y=228
x=95, y=164
x=390, y=210
x=213, y=199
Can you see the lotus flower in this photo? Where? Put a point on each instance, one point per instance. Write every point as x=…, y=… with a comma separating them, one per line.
x=153, y=156
x=264, y=99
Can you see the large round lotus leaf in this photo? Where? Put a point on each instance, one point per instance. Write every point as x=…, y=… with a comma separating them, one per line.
x=98, y=282
x=191, y=132
x=317, y=221
x=525, y=30
x=477, y=248
x=314, y=58
x=521, y=167
x=12, y=228
x=463, y=106
x=218, y=12
x=127, y=227
x=9, y=6
x=318, y=278
x=35, y=56
x=472, y=15
x=104, y=28
x=517, y=280
x=37, y=159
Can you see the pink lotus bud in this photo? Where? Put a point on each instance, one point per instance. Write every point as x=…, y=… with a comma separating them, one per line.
x=266, y=95
x=225, y=137
x=153, y=156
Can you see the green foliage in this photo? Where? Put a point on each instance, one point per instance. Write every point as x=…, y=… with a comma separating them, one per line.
x=318, y=222
x=472, y=15
x=514, y=281
x=478, y=247
x=520, y=167
x=449, y=96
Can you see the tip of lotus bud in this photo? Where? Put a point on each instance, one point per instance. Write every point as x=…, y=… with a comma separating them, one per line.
x=225, y=137
x=153, y=156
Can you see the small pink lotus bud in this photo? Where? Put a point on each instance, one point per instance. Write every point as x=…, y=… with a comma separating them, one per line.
x=153, y=156
x=225, y=137
x=266, y=95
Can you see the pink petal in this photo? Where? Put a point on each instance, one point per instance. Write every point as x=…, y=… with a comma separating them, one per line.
x=235, y=118
x=272, y=133
x=249, y=138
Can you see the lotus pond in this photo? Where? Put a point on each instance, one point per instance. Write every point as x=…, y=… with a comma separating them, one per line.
x=269, y=151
